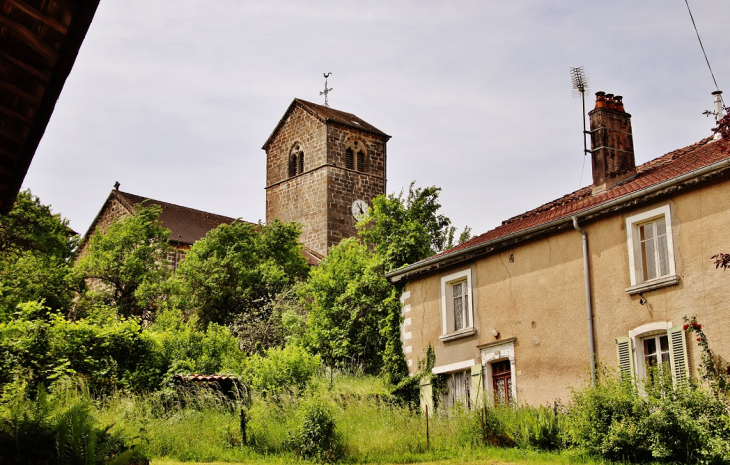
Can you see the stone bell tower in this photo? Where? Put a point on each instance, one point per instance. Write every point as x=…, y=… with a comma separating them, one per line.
x=323, y=168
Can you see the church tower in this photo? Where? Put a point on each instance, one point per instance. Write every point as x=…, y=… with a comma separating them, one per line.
x=323, y=168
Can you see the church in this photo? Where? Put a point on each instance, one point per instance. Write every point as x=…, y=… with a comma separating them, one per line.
x=323, y=169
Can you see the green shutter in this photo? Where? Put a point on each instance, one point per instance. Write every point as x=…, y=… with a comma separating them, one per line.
x=426, y=394
x=625, y=353
x=678, y=355
x=477, y=393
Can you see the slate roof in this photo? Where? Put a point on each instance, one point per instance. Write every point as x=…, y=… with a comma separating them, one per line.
x=186, y=225
x=326, y=114
x=671, y=166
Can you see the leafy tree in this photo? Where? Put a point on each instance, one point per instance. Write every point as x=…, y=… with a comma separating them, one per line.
x=126, y=265
x=349, y=302
x=404, y=230
x=234, y=273
x=35, y=248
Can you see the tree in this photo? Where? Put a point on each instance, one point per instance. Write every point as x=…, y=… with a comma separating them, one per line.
x=35, y=248
x=406, y=230
x=233, y=274
x=349, y=305
x=125, y=266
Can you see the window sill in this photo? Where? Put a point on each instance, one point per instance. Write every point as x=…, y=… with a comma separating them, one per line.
x=458, y=334
x=664, y=281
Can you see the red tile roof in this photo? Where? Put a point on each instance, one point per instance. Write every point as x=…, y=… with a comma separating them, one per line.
x=652, y=173
x=326, y=114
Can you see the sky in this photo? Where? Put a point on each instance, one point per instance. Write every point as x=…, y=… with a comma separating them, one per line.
x=175, y=98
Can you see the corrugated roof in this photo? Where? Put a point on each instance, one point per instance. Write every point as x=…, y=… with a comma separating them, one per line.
x=665, y=168
x=326, y=114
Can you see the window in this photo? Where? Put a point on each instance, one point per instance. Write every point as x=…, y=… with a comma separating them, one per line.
x=457, y=306
x=651, y=250
x=355, y=156
x=296, y=161
x=502, y=382
x=654, y=346
x=458, y=383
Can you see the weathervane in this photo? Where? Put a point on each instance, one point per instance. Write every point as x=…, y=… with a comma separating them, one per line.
x=326, y=90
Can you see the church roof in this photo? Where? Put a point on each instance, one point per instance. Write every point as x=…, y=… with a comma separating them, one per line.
x=186, y=225
x=326, y=114
x=686, y=165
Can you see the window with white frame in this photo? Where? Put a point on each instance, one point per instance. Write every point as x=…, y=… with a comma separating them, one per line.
x=457, y=305
x=651, y=250
x=654, y=347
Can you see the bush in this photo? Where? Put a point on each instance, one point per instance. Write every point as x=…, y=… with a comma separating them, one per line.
x=616, y=421
x=282, y=370
x=316, y=436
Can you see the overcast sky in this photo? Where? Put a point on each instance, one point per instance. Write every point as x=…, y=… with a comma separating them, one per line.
x=174, y=98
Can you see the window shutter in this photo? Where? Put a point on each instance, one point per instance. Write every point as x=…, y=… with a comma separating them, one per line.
x=625, y=353
x=678, y=355
x=476, y=390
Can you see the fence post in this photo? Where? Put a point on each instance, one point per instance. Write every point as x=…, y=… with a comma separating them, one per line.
x=428, y=445
x=244, y=440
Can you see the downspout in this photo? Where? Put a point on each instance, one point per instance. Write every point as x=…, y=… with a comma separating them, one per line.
x=589, y=305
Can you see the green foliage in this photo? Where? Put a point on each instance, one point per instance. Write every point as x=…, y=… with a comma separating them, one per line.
x=111, y=353
x=406, y=230
x=616, y=421
x=316, y=436
x=127, y=264
x=35, y=248
x=288, y=370
x=351, y=309
x=713, y=369
x=51, y=429
x=234, y=273
x=530, y=428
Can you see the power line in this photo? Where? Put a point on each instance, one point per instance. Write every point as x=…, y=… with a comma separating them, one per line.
x=701, y=46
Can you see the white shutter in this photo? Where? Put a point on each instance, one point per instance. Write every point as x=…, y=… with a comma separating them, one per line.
x=426, y=394
x=477, y=393
x=678, y=355
x=625, y=353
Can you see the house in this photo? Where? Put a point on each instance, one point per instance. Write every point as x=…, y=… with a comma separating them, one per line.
x=39, y=42
x=605, y=274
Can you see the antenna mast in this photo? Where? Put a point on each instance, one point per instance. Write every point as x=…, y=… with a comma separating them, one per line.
x=580, y=84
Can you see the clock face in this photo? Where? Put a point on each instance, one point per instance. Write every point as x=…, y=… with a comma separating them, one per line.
x=359, y=209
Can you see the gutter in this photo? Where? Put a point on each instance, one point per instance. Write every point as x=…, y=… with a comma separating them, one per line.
x=395, y=275
x=589, y=304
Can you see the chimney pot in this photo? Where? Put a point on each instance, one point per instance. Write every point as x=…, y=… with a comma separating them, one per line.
x=600, y=99
x=619, y=102
x=610, y=103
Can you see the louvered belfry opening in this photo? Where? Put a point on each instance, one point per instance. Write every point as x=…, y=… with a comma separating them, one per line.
x=360, y=161
x=349, y=159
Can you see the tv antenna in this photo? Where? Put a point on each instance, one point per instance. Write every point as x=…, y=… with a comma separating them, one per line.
x=580, y=84
x=326, y=90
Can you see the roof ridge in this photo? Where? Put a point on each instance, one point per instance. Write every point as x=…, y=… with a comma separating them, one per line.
x=179, y=206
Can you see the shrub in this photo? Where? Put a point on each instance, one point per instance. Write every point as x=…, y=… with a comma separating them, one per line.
x=282, y=370
x=316, y=435
x=617, y=421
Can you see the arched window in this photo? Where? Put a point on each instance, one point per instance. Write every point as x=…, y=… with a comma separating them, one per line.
x=355, y=156
x=296, y=161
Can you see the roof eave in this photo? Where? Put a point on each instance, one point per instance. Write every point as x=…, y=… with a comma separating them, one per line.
x=469, y=252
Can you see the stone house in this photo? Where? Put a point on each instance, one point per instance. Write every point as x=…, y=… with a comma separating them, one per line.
x=604, y=274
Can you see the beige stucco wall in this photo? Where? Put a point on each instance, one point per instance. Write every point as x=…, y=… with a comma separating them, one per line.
x=538, y=297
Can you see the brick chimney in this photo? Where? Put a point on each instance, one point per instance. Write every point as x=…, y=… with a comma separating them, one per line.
x=612, y=145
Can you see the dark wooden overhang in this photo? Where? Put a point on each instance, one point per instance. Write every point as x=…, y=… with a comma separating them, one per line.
x=39, y=42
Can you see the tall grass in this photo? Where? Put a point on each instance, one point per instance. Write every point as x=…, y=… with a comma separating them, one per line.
x=372, y=426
